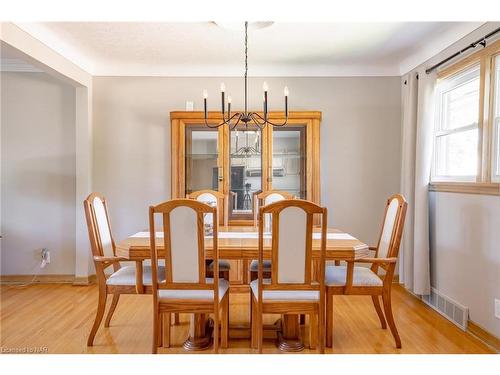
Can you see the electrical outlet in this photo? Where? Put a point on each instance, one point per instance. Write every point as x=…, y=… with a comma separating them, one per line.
x=45, y=258
x=497, y=308
x=189, y=105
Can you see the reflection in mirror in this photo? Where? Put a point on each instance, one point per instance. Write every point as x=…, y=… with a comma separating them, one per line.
x=289, y=160
x=246, y=170
x=201, y=159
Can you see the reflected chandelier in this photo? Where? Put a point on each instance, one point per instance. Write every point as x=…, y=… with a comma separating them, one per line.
x=232, y=120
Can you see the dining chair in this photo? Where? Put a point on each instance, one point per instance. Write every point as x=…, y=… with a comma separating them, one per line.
x=263, y=199
x=291, y=287
x=185, y=288
x=215, y=199
x=351, y=279
x=122, y=279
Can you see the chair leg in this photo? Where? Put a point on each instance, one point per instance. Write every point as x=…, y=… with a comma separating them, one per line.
x=313, y=331
x=386, y=298
x=114, y=303
x=155, y=329
x=216, y=330
x=176, y=319
x=160, y=330
x=329, y=320
x=376, y=303
x=260, y=330
x=224, y=322
x=321, y=329
x=101, y=306
x=302, y=320
x=166, y=330
x=253, y=323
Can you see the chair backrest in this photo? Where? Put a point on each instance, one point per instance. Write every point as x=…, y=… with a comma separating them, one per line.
x=267, y=197
x=392, y=227
x=212, y=198
x=100, y=236
x=183, y=245
x=291, y=244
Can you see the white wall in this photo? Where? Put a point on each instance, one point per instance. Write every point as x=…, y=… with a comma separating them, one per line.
x=465, y=252
x=37, y=173
x=464, y=231
x=360, y=141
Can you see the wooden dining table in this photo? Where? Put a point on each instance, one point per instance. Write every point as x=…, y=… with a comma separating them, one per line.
x=241, y=243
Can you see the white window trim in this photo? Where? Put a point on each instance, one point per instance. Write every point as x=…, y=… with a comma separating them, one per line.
x=496, y=121
x=452, y=82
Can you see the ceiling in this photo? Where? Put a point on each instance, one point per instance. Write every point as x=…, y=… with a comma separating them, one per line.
x=282, y=49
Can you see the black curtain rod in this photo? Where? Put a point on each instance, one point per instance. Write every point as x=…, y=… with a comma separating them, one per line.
x=481, y=41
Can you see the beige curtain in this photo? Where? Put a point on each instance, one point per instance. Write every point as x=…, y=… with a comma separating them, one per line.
x=417, y=144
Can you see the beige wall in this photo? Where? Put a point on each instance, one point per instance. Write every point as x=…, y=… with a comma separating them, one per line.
x=360, y=141
x=38, y=173
x=464, y=231
x=465, y=252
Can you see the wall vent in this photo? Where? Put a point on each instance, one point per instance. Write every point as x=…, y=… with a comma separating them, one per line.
x=450, y=309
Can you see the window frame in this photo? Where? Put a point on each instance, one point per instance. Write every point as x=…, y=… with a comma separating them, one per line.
x=495, y=121
x=458, y=79
x=484, y=182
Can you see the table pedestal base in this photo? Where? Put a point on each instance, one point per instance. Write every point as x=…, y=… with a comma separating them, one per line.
x=289, y=335
x=200, y=333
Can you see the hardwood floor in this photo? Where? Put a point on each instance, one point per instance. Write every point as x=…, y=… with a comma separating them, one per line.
x=59, y=318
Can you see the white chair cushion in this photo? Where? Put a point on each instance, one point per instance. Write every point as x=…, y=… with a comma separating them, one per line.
x=254, y=265
x=224, y=265
x=284, y=295
x=126, y=276
x=362, y=276
x=166, y=294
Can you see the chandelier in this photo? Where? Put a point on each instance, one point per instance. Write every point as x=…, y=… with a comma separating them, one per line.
x=246, y=117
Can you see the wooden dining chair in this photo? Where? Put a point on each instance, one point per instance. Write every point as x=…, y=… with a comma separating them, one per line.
x=291, y=287
x=263, y=199
x=185, y=288
x=215, y=199
x=122, y=280
x=350, y=279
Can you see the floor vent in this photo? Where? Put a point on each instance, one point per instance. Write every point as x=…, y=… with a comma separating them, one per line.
x=452, y=310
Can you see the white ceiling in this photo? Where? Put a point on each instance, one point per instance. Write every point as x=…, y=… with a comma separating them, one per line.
x=283, y=49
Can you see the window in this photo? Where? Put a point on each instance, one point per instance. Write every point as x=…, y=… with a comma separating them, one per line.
x=457, y=129
x=467, y=125
x=495, y=162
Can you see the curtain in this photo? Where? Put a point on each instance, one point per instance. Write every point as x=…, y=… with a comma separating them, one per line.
x=418, y=128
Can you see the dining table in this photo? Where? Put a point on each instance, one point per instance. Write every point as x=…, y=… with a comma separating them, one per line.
x=241, y=243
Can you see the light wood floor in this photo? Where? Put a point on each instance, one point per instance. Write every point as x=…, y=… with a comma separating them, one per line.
x=59, y=317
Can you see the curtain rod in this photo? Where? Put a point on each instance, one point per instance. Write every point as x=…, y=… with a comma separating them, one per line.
x=481, y=41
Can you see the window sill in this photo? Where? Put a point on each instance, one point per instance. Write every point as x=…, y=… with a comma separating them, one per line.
x=480, y=188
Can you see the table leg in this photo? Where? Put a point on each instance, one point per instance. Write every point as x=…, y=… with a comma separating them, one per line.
x=289, y=337
x=200, y=332
x=139, y=286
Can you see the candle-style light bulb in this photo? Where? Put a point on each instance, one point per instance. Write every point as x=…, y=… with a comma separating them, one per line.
x=229, y=99
x=222, y=87
x=265, y=87
x=286, y=91
x=205, y=94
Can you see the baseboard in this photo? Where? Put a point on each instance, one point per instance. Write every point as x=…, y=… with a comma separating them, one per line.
x=46, y=279
x=395, y=279
x=483, y=335
x=36, y=279
x=84, y=280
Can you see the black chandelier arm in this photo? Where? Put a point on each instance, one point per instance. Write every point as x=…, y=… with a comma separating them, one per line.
x=233, y=126
x=260, y=125
x=228, y=121
x=270, y=122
